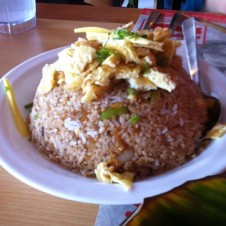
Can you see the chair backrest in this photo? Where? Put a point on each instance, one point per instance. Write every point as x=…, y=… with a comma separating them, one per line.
x=175, y=4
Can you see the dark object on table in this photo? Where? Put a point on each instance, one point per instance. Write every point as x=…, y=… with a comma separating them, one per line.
x=195, y=203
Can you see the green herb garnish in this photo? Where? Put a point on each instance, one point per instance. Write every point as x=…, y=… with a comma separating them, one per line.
x=104, y=53
x=146, y=68
x=134, y=119
x=154, y=96
x=28, y=106
x=112, y=112
x=131, y=91
x=123, y=33
x=35, y=117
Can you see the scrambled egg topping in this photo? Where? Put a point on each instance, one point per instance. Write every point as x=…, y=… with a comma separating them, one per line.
x=217, y=131
x=48, y=79
x=91, y=63
x=106, y=174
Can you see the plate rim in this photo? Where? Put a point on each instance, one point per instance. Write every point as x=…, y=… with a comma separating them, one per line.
x=133, y=196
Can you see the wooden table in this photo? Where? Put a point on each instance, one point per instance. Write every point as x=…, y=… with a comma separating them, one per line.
x=19, y=203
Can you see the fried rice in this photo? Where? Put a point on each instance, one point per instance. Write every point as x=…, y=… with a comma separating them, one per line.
x=158, y=129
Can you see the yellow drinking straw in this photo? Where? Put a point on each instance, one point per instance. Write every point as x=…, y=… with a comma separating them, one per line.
x=21, y=125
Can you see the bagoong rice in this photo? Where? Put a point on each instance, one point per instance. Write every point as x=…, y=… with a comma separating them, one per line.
x=119, y=105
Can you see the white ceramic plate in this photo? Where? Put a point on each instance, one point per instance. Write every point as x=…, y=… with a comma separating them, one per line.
x=20, y=158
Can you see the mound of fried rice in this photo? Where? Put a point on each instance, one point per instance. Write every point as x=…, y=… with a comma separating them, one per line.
x=157, y=131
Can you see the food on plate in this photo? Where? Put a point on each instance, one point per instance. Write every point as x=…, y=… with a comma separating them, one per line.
x=118, y=104
x=217, y=131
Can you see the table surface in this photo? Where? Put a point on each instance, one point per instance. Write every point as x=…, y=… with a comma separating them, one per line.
x=21, y=204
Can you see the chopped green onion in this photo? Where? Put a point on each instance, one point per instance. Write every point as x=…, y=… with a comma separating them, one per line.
x=147, y=67
x=134, y=119
x=154, y=96
x=131, y=91
x=35, y=117
x=122, y=33
x=28, y=106
x=112, y=112
x=104, y=53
